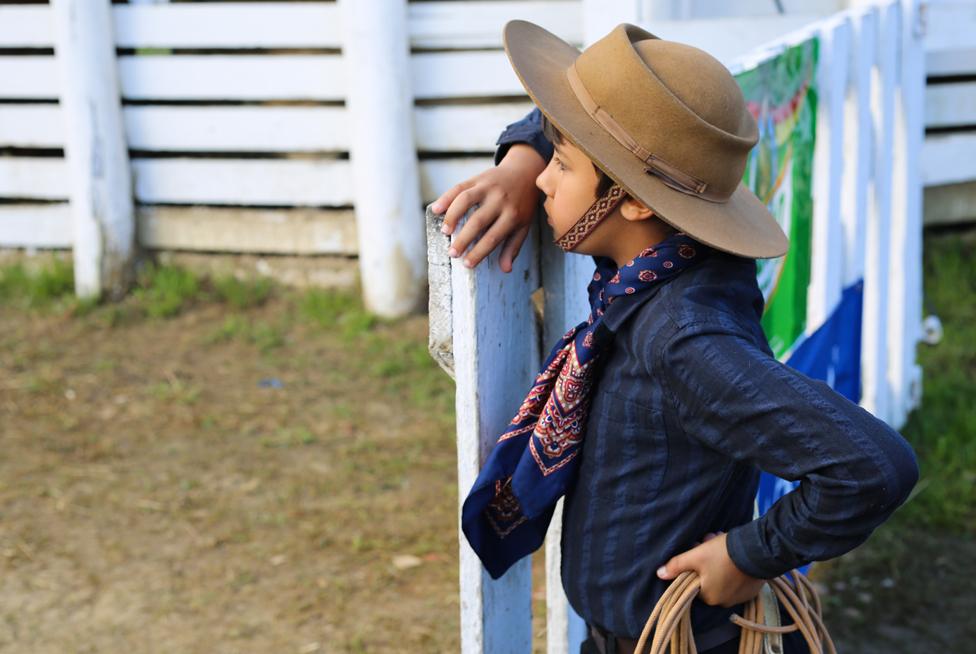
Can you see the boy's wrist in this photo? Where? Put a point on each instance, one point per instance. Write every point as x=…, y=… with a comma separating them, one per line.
x=524, y=156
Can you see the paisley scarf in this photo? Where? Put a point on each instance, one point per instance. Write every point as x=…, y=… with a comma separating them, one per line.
x=507, y=512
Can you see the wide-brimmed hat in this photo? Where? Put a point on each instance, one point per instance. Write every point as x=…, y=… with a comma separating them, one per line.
x=665, y=120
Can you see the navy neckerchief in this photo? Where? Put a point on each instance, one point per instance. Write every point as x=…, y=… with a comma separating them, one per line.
x=507, y=512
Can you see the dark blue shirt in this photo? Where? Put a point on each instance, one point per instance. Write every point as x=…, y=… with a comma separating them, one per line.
x=689, y=406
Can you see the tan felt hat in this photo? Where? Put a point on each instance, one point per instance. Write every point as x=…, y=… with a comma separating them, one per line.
x=665, y=120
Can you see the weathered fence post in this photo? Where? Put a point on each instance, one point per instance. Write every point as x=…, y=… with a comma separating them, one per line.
x=386, y=181
x=496, y=355
x=95, y=148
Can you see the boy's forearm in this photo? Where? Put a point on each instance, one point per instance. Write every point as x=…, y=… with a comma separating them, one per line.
x=854, y=469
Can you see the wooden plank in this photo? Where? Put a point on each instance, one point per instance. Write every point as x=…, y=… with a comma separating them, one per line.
x=479, y=24
x=35, y=225
x=950, y=105
x=905, y=277
x=461, y=128
x=40, y=178
x=233, y=77
x=439, y=128
x=278, y=182
x=383, y=157
x=951, y=204
x=281, y=182
x=96, y=155
x=858, y=144
x=875, y=393
x=827, y=260
x=270, y=231
x=474, y=74
x=948, y=158
x=28, y=76
x=464, y=74
x=26, y=26
x=492, y=314
x=293, y=24
x=31, y=126
x=949, y=45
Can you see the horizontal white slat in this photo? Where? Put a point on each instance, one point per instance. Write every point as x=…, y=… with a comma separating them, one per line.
x=232, y=77
x=31, y=126
x=35, y=225
x=42, y=178
x=28, y=76
x=243, y=182
x=948, y=105
x=948, y=158
x=222, y=229
x=267, y=77
x=294, y=24
x=27, y=26
x=950, y=204
x=282, y=182
x=465, y=128
x=949, y=45
x=450, y=128
x=463, y=74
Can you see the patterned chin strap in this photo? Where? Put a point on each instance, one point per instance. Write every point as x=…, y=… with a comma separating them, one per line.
x=603, y=207
x=507, y=511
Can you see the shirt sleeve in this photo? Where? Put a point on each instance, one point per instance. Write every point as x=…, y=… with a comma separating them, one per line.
x=854, y=470
x=527, y=130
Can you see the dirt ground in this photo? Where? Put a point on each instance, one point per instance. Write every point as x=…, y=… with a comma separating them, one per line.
x=228, y=481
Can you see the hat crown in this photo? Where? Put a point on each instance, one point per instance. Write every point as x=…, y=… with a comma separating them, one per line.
x=699, y=81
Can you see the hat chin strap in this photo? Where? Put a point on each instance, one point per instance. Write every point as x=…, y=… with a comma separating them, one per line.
x=604, y=205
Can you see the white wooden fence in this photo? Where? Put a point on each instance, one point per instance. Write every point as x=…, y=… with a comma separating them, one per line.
x=239, y=139
x=867, y=192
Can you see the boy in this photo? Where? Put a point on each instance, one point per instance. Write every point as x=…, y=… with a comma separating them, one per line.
x=655, y=416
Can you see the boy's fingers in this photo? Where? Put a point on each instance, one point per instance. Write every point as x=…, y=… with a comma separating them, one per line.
x=479, y=220
x=453, y=209
x=495, y=234
x=512, y=248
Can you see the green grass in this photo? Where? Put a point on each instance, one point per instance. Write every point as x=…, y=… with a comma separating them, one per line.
x=40, y=288
x=943, y=429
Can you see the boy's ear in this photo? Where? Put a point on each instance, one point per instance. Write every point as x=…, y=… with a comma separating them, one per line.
x=634, y=209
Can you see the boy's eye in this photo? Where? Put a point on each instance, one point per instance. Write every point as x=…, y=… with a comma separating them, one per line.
x=559, y=163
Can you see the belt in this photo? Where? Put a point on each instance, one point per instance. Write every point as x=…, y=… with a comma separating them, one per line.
x=608, y=643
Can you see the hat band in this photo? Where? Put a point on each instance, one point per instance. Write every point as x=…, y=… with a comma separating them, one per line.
x=654, y=165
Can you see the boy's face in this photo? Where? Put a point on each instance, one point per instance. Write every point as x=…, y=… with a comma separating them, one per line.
x=569, y=182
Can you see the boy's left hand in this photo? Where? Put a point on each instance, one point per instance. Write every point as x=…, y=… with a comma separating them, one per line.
x=722, y=583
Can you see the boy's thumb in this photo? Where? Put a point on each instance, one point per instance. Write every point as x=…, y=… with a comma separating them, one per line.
x=672, y=568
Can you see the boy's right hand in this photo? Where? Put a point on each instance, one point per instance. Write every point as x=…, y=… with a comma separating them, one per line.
x=509, y=198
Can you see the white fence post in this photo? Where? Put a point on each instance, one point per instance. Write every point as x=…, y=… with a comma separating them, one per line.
x=905, y=312
x=876, y=393
x=496, y=355
x=95, y=148
x=386, y=182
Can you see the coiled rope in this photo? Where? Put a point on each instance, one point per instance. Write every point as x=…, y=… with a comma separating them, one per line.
x=672, y=616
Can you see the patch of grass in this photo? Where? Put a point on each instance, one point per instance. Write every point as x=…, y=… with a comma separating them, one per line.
x=943, y=429
x=341, y=310
x=164, y=290
x=243, y=294
x=290, y=437
x=42, y=287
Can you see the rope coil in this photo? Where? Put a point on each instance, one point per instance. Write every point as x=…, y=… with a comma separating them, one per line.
x=672, y=617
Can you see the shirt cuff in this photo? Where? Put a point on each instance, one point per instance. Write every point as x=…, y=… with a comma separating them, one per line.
x=748, y=552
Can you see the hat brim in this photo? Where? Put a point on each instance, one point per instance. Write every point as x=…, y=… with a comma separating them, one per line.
x=742, y=225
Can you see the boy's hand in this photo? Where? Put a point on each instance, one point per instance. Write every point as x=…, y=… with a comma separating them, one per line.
x=722, y=583
x=509, y=199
